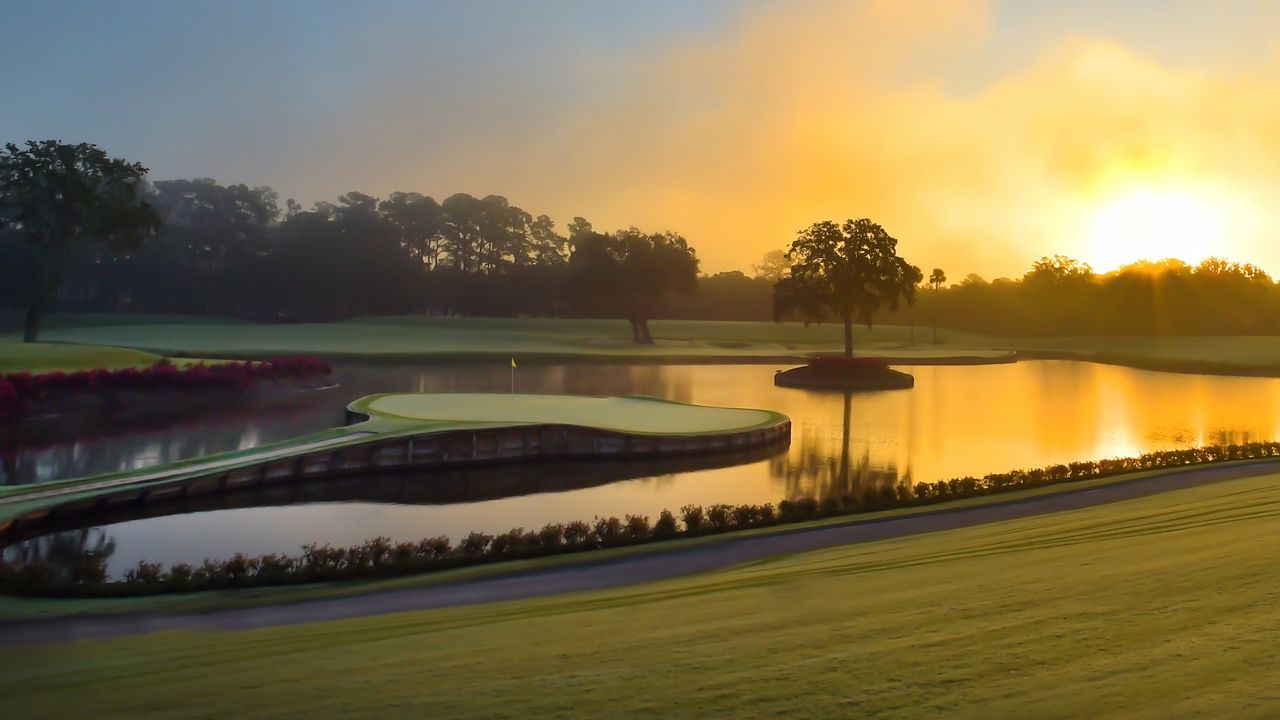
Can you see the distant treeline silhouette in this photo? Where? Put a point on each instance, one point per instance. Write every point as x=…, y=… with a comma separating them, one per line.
x=232, y=250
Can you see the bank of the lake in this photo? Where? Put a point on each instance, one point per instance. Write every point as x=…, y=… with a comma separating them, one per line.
x=566, y=572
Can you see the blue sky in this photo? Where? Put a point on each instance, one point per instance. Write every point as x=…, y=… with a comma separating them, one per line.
x=586, y=107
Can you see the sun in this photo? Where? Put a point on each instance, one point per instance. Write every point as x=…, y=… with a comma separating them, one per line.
x=1152, y=223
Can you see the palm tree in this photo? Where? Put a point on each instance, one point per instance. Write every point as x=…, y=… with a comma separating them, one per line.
x=936, y=278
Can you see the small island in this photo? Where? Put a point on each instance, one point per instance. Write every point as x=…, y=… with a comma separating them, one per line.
x=406, y=431
x=837, y=372
x=846, y=271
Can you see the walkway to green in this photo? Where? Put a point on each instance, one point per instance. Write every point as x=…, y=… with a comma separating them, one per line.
x=414, y=419
x=651, y=565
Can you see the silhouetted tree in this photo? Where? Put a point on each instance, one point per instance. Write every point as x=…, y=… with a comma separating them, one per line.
x=936, y=278
x=773, y=266
x=56, y=195
x=631, y=271
x=848, y=271
x=546, y=246
x=419, y=220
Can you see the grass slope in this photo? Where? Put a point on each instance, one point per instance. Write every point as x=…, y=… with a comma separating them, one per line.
x=1158, y=607
x=47, y=357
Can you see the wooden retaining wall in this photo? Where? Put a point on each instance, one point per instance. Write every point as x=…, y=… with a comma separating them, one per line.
x=439, y=449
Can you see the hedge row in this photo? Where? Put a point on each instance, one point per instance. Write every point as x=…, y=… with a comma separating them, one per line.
x=19, y=390
x=382, y=557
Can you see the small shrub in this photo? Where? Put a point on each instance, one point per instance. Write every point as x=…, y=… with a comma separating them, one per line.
x=608, y=531
x=144, y=573
x=577, y=533
x=828, y=506
x=637, y=528
x=475, y=544
x=806, y=507
x=434, y=548
x=692, y=516
x=666, y=526
x=181, y=578
x=720, y=517
x=744, y=516
x=551, y=537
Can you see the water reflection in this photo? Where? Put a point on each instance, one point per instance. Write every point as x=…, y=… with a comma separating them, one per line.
x=76, y=555
x=956, y=421
x=444, y=486
x=110, y=444
x=821, y=469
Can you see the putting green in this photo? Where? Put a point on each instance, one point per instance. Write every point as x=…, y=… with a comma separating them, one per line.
x=623, y=414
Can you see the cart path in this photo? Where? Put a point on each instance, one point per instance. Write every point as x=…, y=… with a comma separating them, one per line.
x=611, y=573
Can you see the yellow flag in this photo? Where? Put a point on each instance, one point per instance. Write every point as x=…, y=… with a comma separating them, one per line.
x=513, y=362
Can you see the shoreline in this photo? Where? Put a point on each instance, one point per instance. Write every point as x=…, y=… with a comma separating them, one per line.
x=652, y=563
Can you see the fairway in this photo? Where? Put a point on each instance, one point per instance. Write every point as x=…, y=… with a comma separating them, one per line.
x=48, y=357
x=1154, y=607
x=433, y=338
x=406, y=338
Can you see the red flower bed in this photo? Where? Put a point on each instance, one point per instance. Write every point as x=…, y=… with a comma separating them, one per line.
x=848, y=363
x=18, y=390
x=11, y=403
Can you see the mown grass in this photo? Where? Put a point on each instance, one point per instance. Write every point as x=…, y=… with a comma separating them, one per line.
x=455, y=338
x=1158, y=607
x=47, y=357
x=418, y=338
x=636, y=415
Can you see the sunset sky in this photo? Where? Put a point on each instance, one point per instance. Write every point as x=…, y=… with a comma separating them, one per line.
x=982, y=135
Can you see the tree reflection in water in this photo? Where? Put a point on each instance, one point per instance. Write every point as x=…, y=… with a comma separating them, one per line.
x=814, y=469
x=76, y=555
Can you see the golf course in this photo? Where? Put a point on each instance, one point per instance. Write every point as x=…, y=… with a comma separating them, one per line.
x=1147, y=607
x=598, y=360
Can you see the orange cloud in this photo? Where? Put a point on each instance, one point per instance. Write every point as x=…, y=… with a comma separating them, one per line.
x=818, y=110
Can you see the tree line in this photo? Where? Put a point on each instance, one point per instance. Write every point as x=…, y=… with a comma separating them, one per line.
x=82, y=231
x=199, y=247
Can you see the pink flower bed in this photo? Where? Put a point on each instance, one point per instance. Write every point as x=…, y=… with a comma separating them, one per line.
x=19, y=390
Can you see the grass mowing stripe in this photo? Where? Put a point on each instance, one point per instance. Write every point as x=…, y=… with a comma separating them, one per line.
x=1161, y=617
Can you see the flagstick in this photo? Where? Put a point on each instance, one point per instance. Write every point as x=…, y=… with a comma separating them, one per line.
x=513, y=376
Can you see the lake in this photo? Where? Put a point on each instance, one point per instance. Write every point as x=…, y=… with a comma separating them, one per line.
x=961, y=420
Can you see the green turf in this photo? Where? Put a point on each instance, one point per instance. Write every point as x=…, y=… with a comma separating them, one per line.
x=417, y=338
x=46, y=357
x=443, y=338
x=11, y=321
x=623, y=414
x=1157, y=607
